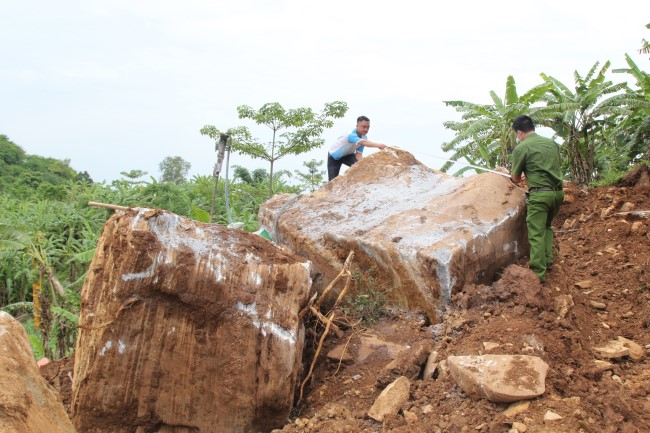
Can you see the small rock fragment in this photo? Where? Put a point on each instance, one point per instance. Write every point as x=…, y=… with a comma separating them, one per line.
x=598, y=305
x=410, y=417
x=612, y=350
x=585, y=284
x=520, y=426
x=637, y=353
x=391, y=399
x=489, y=345
x=551, y=416
x=517, y=408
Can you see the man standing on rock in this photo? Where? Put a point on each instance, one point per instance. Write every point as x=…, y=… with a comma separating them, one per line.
x=348, y=149
x=537, y=160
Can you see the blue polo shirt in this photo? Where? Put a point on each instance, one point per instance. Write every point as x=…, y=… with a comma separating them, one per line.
x=346, y=145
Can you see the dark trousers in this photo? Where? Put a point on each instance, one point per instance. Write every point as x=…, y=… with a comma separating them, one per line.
x=334, y=166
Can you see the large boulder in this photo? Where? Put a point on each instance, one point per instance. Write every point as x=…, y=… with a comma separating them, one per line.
x=28, y=404
x=187, y=326
x=427, y=233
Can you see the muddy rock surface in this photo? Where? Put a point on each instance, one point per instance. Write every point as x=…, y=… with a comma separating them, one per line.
x=28, y=404
x=187, y=327
x=425, y=233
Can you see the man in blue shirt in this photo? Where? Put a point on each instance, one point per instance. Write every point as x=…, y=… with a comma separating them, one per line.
x=348, y=149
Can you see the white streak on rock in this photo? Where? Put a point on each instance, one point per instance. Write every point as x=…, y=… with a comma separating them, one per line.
x=106, y=348
x=283, y=334
x=147, y=273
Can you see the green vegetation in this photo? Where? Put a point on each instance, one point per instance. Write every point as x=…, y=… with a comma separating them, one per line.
x=48, y=233
x=293, y=131
x=314, y=178
x=602, y=127
x=367, y=299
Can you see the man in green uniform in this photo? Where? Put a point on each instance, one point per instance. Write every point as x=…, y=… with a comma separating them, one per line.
x=537, y=160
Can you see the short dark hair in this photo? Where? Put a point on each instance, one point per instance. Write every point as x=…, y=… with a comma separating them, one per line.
x=362, y=119
x=523, y=123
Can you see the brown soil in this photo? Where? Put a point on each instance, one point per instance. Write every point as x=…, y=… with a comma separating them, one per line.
x=597, y=243
x=522, y=316
x=59, y=374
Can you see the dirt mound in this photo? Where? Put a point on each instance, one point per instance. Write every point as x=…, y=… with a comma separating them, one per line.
x=598, y=290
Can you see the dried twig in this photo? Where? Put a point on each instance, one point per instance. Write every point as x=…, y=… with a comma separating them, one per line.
x=345, y=289
x=343, y=272
x=324, y=319
x=308, y=306
x=328, y=321
x=108, y=206
x=343, y=353
x=638, y=213
x=320, y=345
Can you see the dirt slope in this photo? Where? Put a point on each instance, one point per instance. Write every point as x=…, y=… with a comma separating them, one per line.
x=606, y=252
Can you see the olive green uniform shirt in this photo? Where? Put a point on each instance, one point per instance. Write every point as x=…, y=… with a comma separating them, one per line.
x=538, y=157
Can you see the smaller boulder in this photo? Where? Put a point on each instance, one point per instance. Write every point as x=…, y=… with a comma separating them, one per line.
x=499, y=378
x=391, y=399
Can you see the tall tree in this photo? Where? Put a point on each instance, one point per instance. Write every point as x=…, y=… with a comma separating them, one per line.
x=580, y=116
x=313, y=178
x=484, y=136
x=293, y=131
x=174, y=169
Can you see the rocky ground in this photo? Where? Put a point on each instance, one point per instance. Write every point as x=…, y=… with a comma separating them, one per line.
x=598, y=291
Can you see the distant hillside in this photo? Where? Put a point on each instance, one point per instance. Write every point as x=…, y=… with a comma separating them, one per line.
x=21, y=173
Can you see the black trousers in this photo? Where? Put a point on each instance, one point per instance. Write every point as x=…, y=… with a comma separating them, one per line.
x=334, y=166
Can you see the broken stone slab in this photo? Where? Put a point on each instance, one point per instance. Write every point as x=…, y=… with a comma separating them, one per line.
x=424, y=232
x=408, y=363
x=364, y=346
x=185, y=325
x=499, y=378
x=28, y=404
x=391, y=399
x=603, y=365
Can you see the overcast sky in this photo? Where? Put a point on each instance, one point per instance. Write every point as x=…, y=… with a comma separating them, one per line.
x=119, y=85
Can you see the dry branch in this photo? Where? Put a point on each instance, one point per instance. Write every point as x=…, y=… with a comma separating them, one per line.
x=108, y=206
x=324, y=319
x=313, y=362
x=344, y=271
